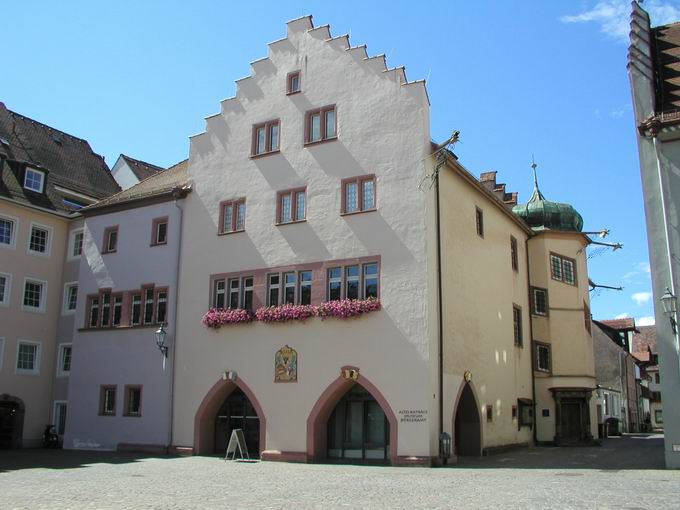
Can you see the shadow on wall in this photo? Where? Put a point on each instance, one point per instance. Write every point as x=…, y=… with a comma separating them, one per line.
x=304, y=242
x=278, y=172
x=377, y=236
x=334, y=159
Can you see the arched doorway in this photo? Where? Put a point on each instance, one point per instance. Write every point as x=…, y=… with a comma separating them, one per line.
x=467, y=426
x=217, y=403
x=358, y=430
x=237, y=412
x=12, y=411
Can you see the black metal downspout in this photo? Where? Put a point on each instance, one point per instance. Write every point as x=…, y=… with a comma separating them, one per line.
x=439, y=298
x=531, y=341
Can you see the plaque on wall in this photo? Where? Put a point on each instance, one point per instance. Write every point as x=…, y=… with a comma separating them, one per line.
x=285, y=365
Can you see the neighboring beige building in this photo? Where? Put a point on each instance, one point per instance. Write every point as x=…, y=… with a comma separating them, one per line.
x=45, y=177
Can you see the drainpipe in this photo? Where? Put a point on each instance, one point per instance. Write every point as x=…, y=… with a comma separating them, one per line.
x=439, y=297
x=531, y=339
x=177, y=195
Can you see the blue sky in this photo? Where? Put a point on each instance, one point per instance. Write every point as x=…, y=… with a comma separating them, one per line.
x=516, y=78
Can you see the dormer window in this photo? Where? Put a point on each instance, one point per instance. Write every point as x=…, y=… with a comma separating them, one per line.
x=293, y=85
x=34, y=180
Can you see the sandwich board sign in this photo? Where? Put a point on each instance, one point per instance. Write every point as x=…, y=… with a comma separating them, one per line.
x=237, y=441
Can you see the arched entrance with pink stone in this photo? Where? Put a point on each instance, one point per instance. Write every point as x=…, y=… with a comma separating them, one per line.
x=226, y=395
x=467, y=425
x=364, y=399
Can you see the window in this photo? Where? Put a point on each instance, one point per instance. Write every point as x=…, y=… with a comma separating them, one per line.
x=107, y=400
x=353, y=282
x=70, y=297
x=293, y=82
x=539, y=301
x=219, y=294
x=607, y=404
x=658, y=415
x=34, y=295
x=234, y=293
x=39, y=240
x=133, y=401
x=159, y=231
x=358, y=194
x=489, y=412
x=305, y=290
x=148, y=305
x=587, y=319
x=513, y=254
x=266, y=138
x=542, y=357
x=321, y=125
x=8, y=232
x=289, y=285
x=479, y=219
x=370, y=280
x=161, y=306
x=5, y=288
x=517, y=325
x=117, y=310
x=526, y=413
x=232, y=216
x=657, y=378
x=34, y=180
x=247, y=299
x=28, y=357
x=563, y=269
x=273, y=288
x=59, y=418
x=93, y=315
x=75, y=244
x=2, y=352
x=64, y=360
x=106, y=309
x=136, y=309
x=334, y=284
x=291, y=205
x=110, y=240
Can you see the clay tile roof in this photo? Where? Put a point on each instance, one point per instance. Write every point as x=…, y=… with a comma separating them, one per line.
x=645, y=338
x=159, y=184
x=68, y=161
x=666, y=55
x=642, y=356
x=620, y=324
x=141, y=169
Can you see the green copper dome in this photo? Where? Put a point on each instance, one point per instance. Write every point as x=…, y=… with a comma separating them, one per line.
x=541, y=214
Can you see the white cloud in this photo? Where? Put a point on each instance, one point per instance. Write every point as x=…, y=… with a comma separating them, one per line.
x=641, y=298
x=640, y=268
x=617, y=113
x=613, y=16
x=645, y=321
x=623, y=315
x=644, y=267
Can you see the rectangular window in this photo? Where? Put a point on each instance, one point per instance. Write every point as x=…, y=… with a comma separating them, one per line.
x=352, y=282
x=291, y=205
x=305, y=291
x=370, y=280
x=266, y=137
x=479, y=220
x=159, y=231
x=107, y=400
x=70, y=297
x=513, y=254
x=657, y=378
x=76, y=244
x=34, y=294
x=234, y=292
x=247, y=299
x=34, y=180
x=526, y=413
x=106, y=309
x=539, y=301
x=110, y=240
x=219, y=294
x=39, y=240
x=358, y=194
x=7, y=232
x=148, y=305
x=136, y=309
x=161, y=306
x=117, y=310
x=28, y=357
x=293, y=82
x=517, y=325
x=232, y=216
x=658, y=415
x=5, y=288
x=563, y=269
x=133, y=401
x=335, y=284
x=273, y=288
x=489, y=412
x=60, y=417
x=542, y=357
x=93, y=316
x=64, y=367
x=321, y=124
x=289, y=284
x=587, y=319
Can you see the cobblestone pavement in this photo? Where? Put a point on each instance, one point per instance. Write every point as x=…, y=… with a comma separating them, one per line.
x=624, y=473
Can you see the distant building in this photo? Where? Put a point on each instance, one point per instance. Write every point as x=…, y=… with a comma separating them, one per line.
x=652, y=69
x=46, y=177
x=645, y=350
x=128, y=171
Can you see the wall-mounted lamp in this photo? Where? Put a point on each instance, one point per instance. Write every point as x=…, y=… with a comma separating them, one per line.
x=160, y=340
x=670, y=307
x=444, y=447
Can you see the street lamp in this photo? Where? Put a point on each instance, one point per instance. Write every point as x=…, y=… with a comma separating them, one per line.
x=160, y=340
x=670, y=305
x=444, y=446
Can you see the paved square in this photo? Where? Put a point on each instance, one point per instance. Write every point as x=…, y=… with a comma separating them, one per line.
x=626, y=472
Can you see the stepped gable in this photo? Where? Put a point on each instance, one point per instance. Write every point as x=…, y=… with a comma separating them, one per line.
x=488, y=180
x=68, y=161
x=304, y=24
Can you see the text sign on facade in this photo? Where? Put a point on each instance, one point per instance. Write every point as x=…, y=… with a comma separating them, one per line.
x=412, y=415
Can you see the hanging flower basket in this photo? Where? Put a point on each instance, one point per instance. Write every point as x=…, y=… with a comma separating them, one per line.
x=217, y=317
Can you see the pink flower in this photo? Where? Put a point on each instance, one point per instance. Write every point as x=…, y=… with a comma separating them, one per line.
x=285, y=313
x=216, y=317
